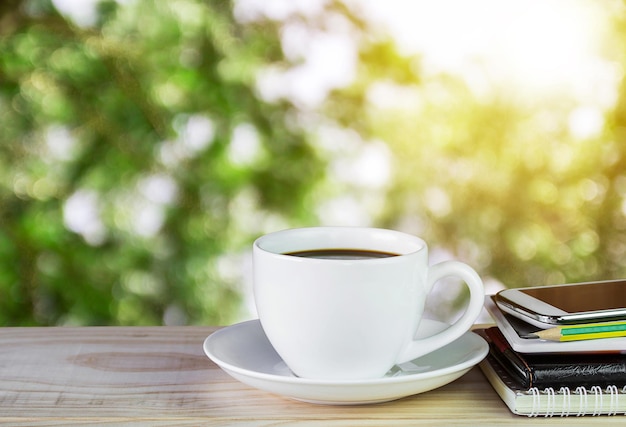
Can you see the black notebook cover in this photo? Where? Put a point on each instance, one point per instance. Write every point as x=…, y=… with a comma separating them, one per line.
x=557, y=369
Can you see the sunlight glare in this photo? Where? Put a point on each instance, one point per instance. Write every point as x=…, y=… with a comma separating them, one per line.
x=522, y=44
x=83, y=13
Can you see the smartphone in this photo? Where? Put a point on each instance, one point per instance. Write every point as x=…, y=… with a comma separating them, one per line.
x=566, y=304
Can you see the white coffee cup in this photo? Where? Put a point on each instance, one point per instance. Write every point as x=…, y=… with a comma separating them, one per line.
x=351, y=319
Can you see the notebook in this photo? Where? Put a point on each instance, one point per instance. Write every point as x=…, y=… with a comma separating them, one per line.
x=550, y=402
x=556, y=369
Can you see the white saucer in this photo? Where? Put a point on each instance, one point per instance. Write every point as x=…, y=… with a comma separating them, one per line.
x=243, y=351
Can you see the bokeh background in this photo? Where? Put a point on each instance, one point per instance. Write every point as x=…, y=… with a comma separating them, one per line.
x=145, y=144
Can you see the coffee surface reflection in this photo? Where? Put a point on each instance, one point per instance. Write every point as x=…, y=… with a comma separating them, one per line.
x=345, y=254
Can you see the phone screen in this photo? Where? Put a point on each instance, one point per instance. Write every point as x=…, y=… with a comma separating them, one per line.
x=583, y=297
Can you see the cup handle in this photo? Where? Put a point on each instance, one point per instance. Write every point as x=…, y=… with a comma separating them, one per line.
x=420, y=347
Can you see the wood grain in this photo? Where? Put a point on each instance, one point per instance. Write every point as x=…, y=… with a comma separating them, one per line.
x=160, y=376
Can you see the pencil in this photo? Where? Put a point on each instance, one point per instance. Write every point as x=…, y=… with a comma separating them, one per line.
x=589, y=331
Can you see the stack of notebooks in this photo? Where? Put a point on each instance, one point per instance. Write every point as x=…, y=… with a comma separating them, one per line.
x=537, y=377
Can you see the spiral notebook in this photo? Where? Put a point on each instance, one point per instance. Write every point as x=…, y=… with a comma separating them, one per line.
x=550, y=402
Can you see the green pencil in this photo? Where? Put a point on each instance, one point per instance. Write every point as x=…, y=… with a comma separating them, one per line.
x=590, y=331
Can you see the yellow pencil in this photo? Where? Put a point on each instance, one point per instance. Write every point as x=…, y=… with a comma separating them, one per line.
x=589, y=331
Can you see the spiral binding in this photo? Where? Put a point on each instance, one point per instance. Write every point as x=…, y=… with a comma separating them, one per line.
x=591, y=401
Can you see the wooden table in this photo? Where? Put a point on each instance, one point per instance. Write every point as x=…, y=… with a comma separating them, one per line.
x=160, y=376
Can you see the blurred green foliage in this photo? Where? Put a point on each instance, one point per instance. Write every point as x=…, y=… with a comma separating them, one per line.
x=102, y=116
x=498, y=177
x=137, y=158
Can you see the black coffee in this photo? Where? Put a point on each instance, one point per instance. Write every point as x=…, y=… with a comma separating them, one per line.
x=348, y=254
